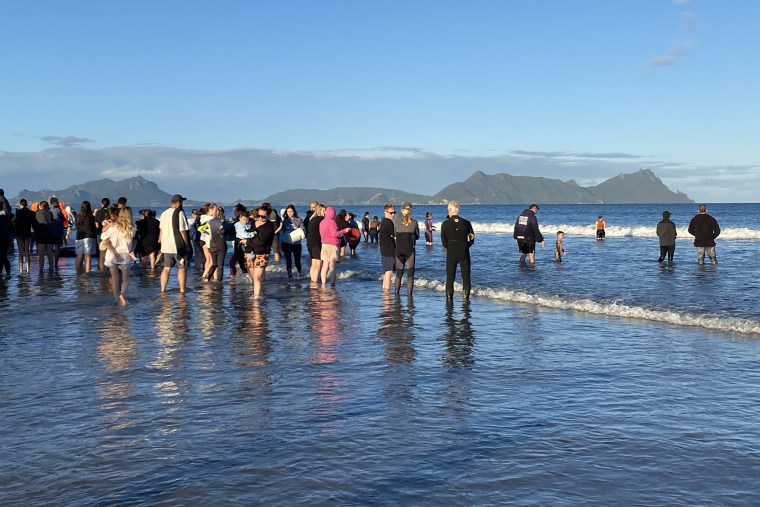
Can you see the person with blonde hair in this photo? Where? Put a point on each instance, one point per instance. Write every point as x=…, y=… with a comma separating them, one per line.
x=119, y=242
x=407, y=232
x=457, y=237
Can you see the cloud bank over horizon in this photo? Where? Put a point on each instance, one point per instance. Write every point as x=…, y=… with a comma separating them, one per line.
x=228, y=175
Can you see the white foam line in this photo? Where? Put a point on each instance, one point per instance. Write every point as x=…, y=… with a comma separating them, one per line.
x=636, y=231
x=711, y=322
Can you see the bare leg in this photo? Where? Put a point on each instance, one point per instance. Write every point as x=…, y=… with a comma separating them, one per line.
x=165, y=278
x=258, y=279
x=182, y=278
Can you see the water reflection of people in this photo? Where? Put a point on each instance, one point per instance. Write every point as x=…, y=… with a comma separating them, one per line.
x=459, y=336
x=397, y=330
x=324, y=308
x=252, y=333
x=171, y=331
x=117, y=353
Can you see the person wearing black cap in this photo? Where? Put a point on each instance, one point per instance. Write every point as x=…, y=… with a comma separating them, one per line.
x=175, y=242
x=527, y=234
x=666, y=231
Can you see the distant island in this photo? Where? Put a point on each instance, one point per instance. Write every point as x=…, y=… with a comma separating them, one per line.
x=641, y=187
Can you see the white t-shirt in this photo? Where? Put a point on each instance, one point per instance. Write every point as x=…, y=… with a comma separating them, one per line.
x=168, y=243
x=122, y=246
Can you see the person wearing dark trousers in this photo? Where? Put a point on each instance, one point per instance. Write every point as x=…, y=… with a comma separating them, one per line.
x=457, y=237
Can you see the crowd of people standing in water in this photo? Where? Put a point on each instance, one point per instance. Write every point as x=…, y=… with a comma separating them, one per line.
x=201, y=240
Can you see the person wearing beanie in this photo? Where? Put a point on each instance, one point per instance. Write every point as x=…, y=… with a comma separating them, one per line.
x=666, y=231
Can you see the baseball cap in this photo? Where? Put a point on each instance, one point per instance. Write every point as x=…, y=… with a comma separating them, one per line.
x=406, y=205
x=178, y=198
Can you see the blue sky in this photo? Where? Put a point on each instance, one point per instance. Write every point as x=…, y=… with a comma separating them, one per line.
x=574, y=89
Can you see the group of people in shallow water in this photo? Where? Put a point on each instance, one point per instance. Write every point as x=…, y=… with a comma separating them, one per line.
x=702, y=226
x=173, y=240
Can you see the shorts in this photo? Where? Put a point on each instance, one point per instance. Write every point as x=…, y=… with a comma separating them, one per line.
x=600, y=233
x=276, y=243
x=526, y=248
x=172, y=259
x=261, y=261
x=388, y=263
x=86, y=246
x=315, y=252
x=329, y=253
x=124, y=266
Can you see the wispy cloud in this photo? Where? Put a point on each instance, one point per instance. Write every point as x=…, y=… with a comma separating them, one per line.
x=570, y=154
x=67, y=141
x=683, y=43
x=674, y=54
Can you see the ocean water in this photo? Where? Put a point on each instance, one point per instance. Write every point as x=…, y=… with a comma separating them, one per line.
x=606, y=379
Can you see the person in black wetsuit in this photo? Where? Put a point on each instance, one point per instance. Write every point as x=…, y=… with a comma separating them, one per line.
x=407, y=232
x=527, y=234
x=457, y=237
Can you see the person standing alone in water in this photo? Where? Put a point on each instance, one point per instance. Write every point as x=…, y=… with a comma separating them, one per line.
x=666, y=231
x=600, y=227
x=457, y=237
x=429, y=228
x=527, y=234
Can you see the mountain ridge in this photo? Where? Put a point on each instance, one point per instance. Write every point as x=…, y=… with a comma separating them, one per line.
x=641, y=187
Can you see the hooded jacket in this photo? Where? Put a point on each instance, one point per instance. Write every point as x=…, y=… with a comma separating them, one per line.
x=328, y=229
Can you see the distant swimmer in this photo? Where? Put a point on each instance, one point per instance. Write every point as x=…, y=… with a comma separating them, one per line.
x=705, y=229
x=457, y=237
x=600, y=227
x=666, y=231
x=527, y=234
x=559, y=249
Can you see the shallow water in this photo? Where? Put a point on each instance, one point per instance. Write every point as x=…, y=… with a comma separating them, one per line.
x=344, y=396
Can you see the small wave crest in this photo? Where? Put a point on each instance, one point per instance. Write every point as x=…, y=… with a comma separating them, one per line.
x=614, y=309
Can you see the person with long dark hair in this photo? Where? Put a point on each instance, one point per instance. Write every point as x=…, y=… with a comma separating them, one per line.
x=85, y=243
x=262, y=245
x=22, y=223
x=292, y=227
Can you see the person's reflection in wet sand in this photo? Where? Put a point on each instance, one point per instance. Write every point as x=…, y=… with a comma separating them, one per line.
x=324, y=308
x=117, y=353
x=171, y=337
x=209, y=314
x=459, y=336
x=397, y=330
x=251, y=335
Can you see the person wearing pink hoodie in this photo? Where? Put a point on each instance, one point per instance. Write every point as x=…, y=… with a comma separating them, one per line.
x=330, y=235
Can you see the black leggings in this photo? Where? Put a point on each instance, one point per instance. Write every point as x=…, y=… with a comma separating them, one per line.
x=217, y=264
x=5, y=244
x=670, y=250
x=294, y=250
x=451, y=270
x=403, y=261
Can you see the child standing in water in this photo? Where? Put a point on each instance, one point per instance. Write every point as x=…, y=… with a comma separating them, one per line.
x=600, y=227
x=559, y=250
